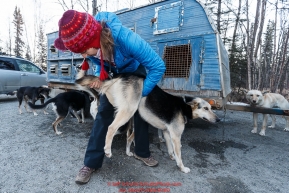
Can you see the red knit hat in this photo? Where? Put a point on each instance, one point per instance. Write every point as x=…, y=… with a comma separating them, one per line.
x=78, y=32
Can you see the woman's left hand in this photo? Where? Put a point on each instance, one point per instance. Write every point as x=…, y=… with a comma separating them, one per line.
x=96, y=84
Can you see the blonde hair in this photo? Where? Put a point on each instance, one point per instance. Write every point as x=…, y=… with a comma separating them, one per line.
x=106, y=42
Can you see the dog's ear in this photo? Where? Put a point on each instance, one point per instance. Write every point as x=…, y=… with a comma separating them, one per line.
x=188, y=99
x=244, y=90
x=40, y=89
x=265, y=91
x=193, y=103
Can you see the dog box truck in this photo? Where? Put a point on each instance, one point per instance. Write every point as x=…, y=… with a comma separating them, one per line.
x=185, y=37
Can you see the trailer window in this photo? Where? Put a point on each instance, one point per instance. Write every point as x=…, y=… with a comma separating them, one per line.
x=168, y=18
x=52, y=49
x=178, y=60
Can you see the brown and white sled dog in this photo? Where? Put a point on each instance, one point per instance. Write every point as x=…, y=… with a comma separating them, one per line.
x=268, y=100
x=160, y=109
x=128, y=127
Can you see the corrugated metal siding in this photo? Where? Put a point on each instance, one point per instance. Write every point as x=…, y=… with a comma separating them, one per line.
x=210, y=78
x=225, y=69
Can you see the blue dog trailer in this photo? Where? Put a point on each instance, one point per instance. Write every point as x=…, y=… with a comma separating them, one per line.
x=185, y=37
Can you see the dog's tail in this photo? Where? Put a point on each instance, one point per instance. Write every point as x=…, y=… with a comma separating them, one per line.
x=12, y=93
x=33, y=106
x=84, y=82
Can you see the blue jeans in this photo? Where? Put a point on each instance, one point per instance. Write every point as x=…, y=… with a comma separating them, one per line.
x=95, y=153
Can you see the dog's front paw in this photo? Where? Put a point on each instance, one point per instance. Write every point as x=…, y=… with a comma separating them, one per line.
x=58, y=133
x=162, y=140
x=129, y=153
x=286, y=129
x=185, y=170
x=271, y=126
x=45, y=113
x=107, y=153
x=35, y=114
x=254, y=130
x=172, y=157
x=262, y=133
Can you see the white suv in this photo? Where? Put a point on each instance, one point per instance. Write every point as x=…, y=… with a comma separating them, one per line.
x=17, y=72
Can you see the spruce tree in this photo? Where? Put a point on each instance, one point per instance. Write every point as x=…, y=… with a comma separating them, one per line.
x=18, y=24
x=267, y=56
x=42, y=49
x=28, y=54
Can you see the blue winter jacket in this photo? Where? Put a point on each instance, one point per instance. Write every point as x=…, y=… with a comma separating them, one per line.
x=131, y=50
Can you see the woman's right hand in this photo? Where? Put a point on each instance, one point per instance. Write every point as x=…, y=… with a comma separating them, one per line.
x=97, y=84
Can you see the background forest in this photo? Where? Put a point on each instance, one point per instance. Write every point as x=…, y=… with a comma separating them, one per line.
x=256, y=41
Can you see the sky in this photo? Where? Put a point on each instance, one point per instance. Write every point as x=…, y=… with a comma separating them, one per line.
x=46, y=11
x=49, y=12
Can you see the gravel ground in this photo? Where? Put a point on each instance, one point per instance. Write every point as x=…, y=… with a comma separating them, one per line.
x=223, y=158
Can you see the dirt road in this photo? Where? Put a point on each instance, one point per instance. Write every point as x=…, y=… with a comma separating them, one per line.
x=223, y=158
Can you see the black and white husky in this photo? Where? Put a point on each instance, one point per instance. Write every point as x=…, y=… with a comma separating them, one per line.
x=64, y=103
x=32, y=94
x=160, y=109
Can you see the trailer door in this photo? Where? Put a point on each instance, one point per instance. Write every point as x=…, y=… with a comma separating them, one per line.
x=183, y=64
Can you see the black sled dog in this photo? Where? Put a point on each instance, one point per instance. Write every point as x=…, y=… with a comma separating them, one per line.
x=32, y=94
x=64, y=103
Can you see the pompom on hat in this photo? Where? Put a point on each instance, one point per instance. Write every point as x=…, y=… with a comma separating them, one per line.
x=79, y=31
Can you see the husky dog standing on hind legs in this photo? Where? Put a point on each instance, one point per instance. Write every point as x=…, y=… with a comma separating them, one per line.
x=160, y=109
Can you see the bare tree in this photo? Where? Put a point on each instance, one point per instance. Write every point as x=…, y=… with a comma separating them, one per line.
x=8, y=44
x=249, y=85
x=258, y=43
x=236, y=25
x=280, y=59
x=283, y=60
x=252, y=45
x=219, y=16
x=65, y=6
x=85, y=5
x=274, y=64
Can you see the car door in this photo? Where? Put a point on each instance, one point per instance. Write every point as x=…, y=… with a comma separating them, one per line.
x=31, y=75
x=9, y=76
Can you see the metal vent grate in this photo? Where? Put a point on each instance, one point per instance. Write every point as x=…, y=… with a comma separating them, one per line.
x=178, y=60
x=65, y=69
x=53, y=69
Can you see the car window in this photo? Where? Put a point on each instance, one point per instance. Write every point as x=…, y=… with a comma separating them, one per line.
x=25, y=66
x=6, y=65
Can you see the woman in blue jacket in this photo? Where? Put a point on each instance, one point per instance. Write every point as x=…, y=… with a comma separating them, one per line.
x=113, y=47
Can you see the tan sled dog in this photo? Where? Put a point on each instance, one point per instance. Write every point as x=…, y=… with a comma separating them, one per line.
x=160, y=109
x=268, y=100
